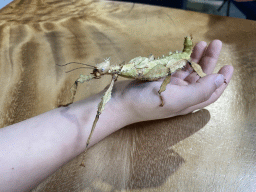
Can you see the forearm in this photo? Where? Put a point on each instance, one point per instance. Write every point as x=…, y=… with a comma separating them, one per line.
x=32, y=150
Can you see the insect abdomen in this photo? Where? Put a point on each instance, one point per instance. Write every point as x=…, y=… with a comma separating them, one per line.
x=150, y=74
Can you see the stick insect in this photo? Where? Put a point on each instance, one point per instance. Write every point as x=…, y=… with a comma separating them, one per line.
x=140, y=68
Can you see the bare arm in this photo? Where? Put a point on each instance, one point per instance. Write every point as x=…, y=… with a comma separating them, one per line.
x=32, y=150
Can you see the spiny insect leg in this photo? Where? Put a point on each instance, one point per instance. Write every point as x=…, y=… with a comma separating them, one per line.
x=163, y=87
x=89, y=138
x=81, y=79
x=73, y=93
x=197, y=68
x=104, y=100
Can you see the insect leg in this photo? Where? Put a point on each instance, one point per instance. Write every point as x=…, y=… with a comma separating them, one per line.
x=106, y=97
x=73, y=93
x=197, y=68
x=163, y=87
x=81, y=79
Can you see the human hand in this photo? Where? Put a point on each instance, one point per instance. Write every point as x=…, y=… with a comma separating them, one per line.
x=185, y=93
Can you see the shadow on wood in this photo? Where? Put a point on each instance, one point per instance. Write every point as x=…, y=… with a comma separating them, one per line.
x=130, y=157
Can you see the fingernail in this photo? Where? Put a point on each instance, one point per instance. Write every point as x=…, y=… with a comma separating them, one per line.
x=219, y=80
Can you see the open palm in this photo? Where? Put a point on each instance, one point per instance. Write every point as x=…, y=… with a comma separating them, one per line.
x=185, y=93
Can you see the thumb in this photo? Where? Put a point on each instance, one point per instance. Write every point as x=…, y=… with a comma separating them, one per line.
x=203, y=89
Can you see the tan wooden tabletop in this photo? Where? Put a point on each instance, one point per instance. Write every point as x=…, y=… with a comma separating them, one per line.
x=210, y=150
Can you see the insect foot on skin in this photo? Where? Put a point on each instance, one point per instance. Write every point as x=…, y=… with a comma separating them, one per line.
x=141, y=68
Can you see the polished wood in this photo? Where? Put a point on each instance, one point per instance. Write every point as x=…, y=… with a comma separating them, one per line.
x=209, y=150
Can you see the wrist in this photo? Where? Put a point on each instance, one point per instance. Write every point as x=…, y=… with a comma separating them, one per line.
x=116, y=114
x=125, y=109
x=112, y=118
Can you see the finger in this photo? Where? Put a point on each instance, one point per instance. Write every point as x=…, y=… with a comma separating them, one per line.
x=201, y=91
x=208, y=61
x=198, y=51
x=227, y=72
x=178, y=81
x=196, y=55
x=210, y=58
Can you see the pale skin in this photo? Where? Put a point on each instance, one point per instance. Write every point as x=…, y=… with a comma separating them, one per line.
x=32, y=150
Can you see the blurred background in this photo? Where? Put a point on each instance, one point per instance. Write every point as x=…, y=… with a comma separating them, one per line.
x=4, y=3
x=245, y=9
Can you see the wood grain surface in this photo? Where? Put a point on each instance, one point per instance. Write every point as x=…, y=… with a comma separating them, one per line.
x=209, y=150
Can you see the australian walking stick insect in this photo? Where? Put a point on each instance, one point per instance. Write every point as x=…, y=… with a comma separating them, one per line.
x=141, y=68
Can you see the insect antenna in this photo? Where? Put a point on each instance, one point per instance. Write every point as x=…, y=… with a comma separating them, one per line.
x=76, y=63
x=88, y=66
x=76, y=69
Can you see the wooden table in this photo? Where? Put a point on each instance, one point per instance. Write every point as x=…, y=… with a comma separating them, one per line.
x=209, y=150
